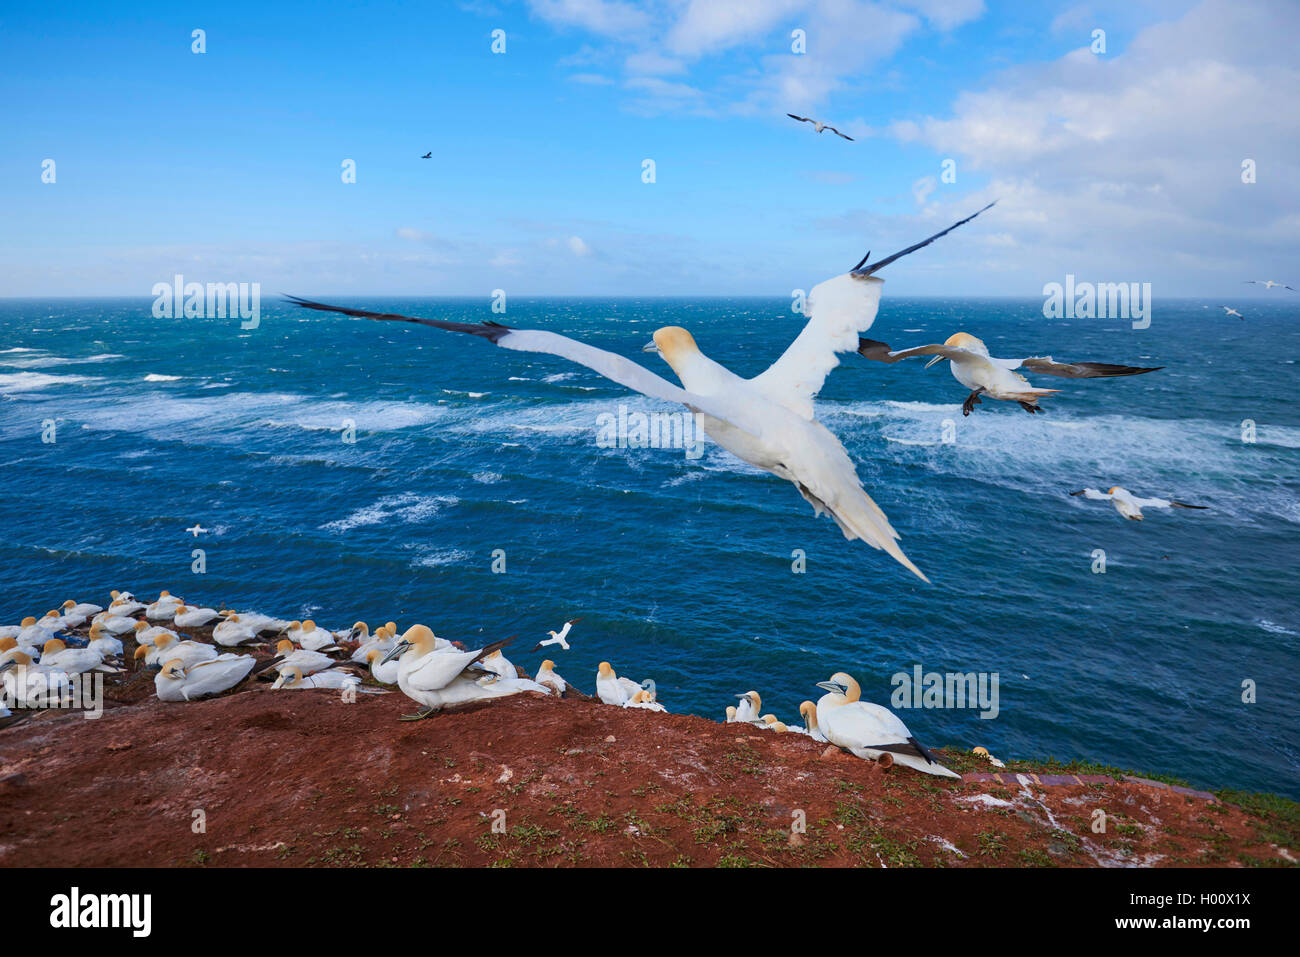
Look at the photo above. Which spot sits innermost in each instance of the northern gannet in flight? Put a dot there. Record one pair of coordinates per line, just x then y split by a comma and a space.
558, 637
1129, 505
768, 421
1232, 312
1267, 283
974, 368
868, 730
818, 125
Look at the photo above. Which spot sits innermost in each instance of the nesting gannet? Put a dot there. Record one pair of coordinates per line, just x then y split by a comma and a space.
819, 126
233, 631
1267, 283
435, 676
611, 689
731, 714
768, 421
147, 634
257, 622
308, 661
984, 753
643, 699
1232, 312
291, 677
382, 641
1129, 505
973, 367
747, 710
74, 615
125, 607
29, 684
558, 637
186, 617
106, 645
176, 682
311, 637
809, 712
382, 671
499, 665
114, 624
35, 632
164, 609
547, 678
73, 661
168, 646
772, 723
868, 730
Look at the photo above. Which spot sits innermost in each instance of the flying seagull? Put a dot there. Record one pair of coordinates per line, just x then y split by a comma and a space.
818, 125
1232, 312
1267, 283
428, 155
974, 368
1129, 505
768, 421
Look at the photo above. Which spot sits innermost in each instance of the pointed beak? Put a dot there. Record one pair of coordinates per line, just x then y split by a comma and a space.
934, 360
398, 648
652, 346
832, 687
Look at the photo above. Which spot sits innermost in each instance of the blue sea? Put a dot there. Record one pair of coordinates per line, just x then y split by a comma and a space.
681, 568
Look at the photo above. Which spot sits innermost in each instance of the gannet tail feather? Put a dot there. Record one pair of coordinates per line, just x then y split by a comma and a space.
865, 521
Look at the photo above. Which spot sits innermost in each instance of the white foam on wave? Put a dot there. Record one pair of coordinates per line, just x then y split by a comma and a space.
487, 478
1273, 627
437, 557
405, 508
34, 381
46, 361
158, 377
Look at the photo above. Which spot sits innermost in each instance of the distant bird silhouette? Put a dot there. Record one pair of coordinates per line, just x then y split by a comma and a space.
1232, 312
819, 125
427, 156
1268, 283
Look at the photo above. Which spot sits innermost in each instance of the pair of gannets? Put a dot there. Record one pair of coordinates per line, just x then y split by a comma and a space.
1129, 505
558, 637
168, 647
309, 636
436, 676
972, 366
233, 630
768, 421
180, 682
304, 659
868, 730
382, 640
611, 689
29, 684
645, 699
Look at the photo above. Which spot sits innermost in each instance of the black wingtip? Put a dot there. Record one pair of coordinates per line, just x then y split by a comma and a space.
863, 270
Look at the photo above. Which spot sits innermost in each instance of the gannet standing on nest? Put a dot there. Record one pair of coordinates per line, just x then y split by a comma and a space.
868, 730
1129, 505
768, 421
436, 676
974, 368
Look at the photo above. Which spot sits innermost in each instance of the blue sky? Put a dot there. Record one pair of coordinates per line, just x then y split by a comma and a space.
225, 166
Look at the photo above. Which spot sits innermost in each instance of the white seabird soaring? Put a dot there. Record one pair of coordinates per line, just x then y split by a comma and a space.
868, 730
1267, 283
818, 125
1129, 505
558, 637
768, 421
974, 368
1231, 312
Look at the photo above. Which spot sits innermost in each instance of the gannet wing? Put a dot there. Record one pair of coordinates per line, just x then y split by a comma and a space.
801, 119
612, 366
1165, 503
838, 133
1073, 370
879, 352
1092, 493
838, 311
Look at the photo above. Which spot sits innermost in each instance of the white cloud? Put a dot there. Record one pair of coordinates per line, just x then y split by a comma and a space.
578, 247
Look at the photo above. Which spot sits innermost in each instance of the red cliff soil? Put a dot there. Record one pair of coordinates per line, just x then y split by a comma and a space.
305, 778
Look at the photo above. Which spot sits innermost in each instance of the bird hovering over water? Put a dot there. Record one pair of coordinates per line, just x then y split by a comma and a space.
768, 421
1231, 312
1267, 283
1128, 504
818, 125
974, 368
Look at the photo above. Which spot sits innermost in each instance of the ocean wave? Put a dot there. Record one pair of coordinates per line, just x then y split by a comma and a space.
33, 381
158, 377
405, 508
437, 557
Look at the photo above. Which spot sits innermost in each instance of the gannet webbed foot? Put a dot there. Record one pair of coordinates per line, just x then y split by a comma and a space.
972, 400
419, 715
1030, 407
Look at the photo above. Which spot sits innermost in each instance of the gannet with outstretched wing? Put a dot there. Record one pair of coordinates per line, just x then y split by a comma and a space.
974, 368
768, 421
818, 125
1267, 283
1128, 504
